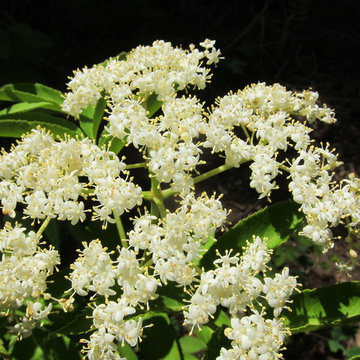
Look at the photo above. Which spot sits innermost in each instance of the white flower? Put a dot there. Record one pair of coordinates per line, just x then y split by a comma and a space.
277, 290
93, 271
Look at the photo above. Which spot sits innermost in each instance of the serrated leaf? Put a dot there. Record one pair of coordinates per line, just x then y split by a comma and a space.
30, 92
332, 305
276, 222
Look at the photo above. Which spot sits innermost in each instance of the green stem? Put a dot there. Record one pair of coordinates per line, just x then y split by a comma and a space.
135, 166
121, 230
211, 173
245, 131
158, 197
169, 192
147, 195
154, 210
43, 226
198, 269
147, 261
285, 168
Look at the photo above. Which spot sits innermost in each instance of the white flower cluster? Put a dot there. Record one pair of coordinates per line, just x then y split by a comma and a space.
171, 245
159, 69
24, 269
268, 114
176, 241
254, 337
254, 124
265, 113
34, 313
325, 202
24, 266
52, 178
235, 285
95, 271
47, 176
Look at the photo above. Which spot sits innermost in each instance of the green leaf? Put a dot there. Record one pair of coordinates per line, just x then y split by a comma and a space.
334, 346
220, 318
21, 123
58, 283
159, 341
333, 305
190, 357
41, 345
3, 352
30, 92
276, 222
71, 323
217, 341
86, 121
115, 144
53, 234
191, 344
205, 247
127, 352
174, 353
172, 297
28, 106
353, 353
98, 115
152, 104
204, 333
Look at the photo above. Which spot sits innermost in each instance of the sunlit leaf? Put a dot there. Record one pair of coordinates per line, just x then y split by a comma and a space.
322, 307
276, 222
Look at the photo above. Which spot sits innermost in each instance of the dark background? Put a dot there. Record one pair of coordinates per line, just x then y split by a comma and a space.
298, 43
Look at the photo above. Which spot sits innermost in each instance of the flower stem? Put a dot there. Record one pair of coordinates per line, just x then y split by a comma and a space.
135, 166
158, 198
211, 173
169, 192
121, 230
246, 132
154, 210
146, 261
43, 226
285, 168
147, 195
